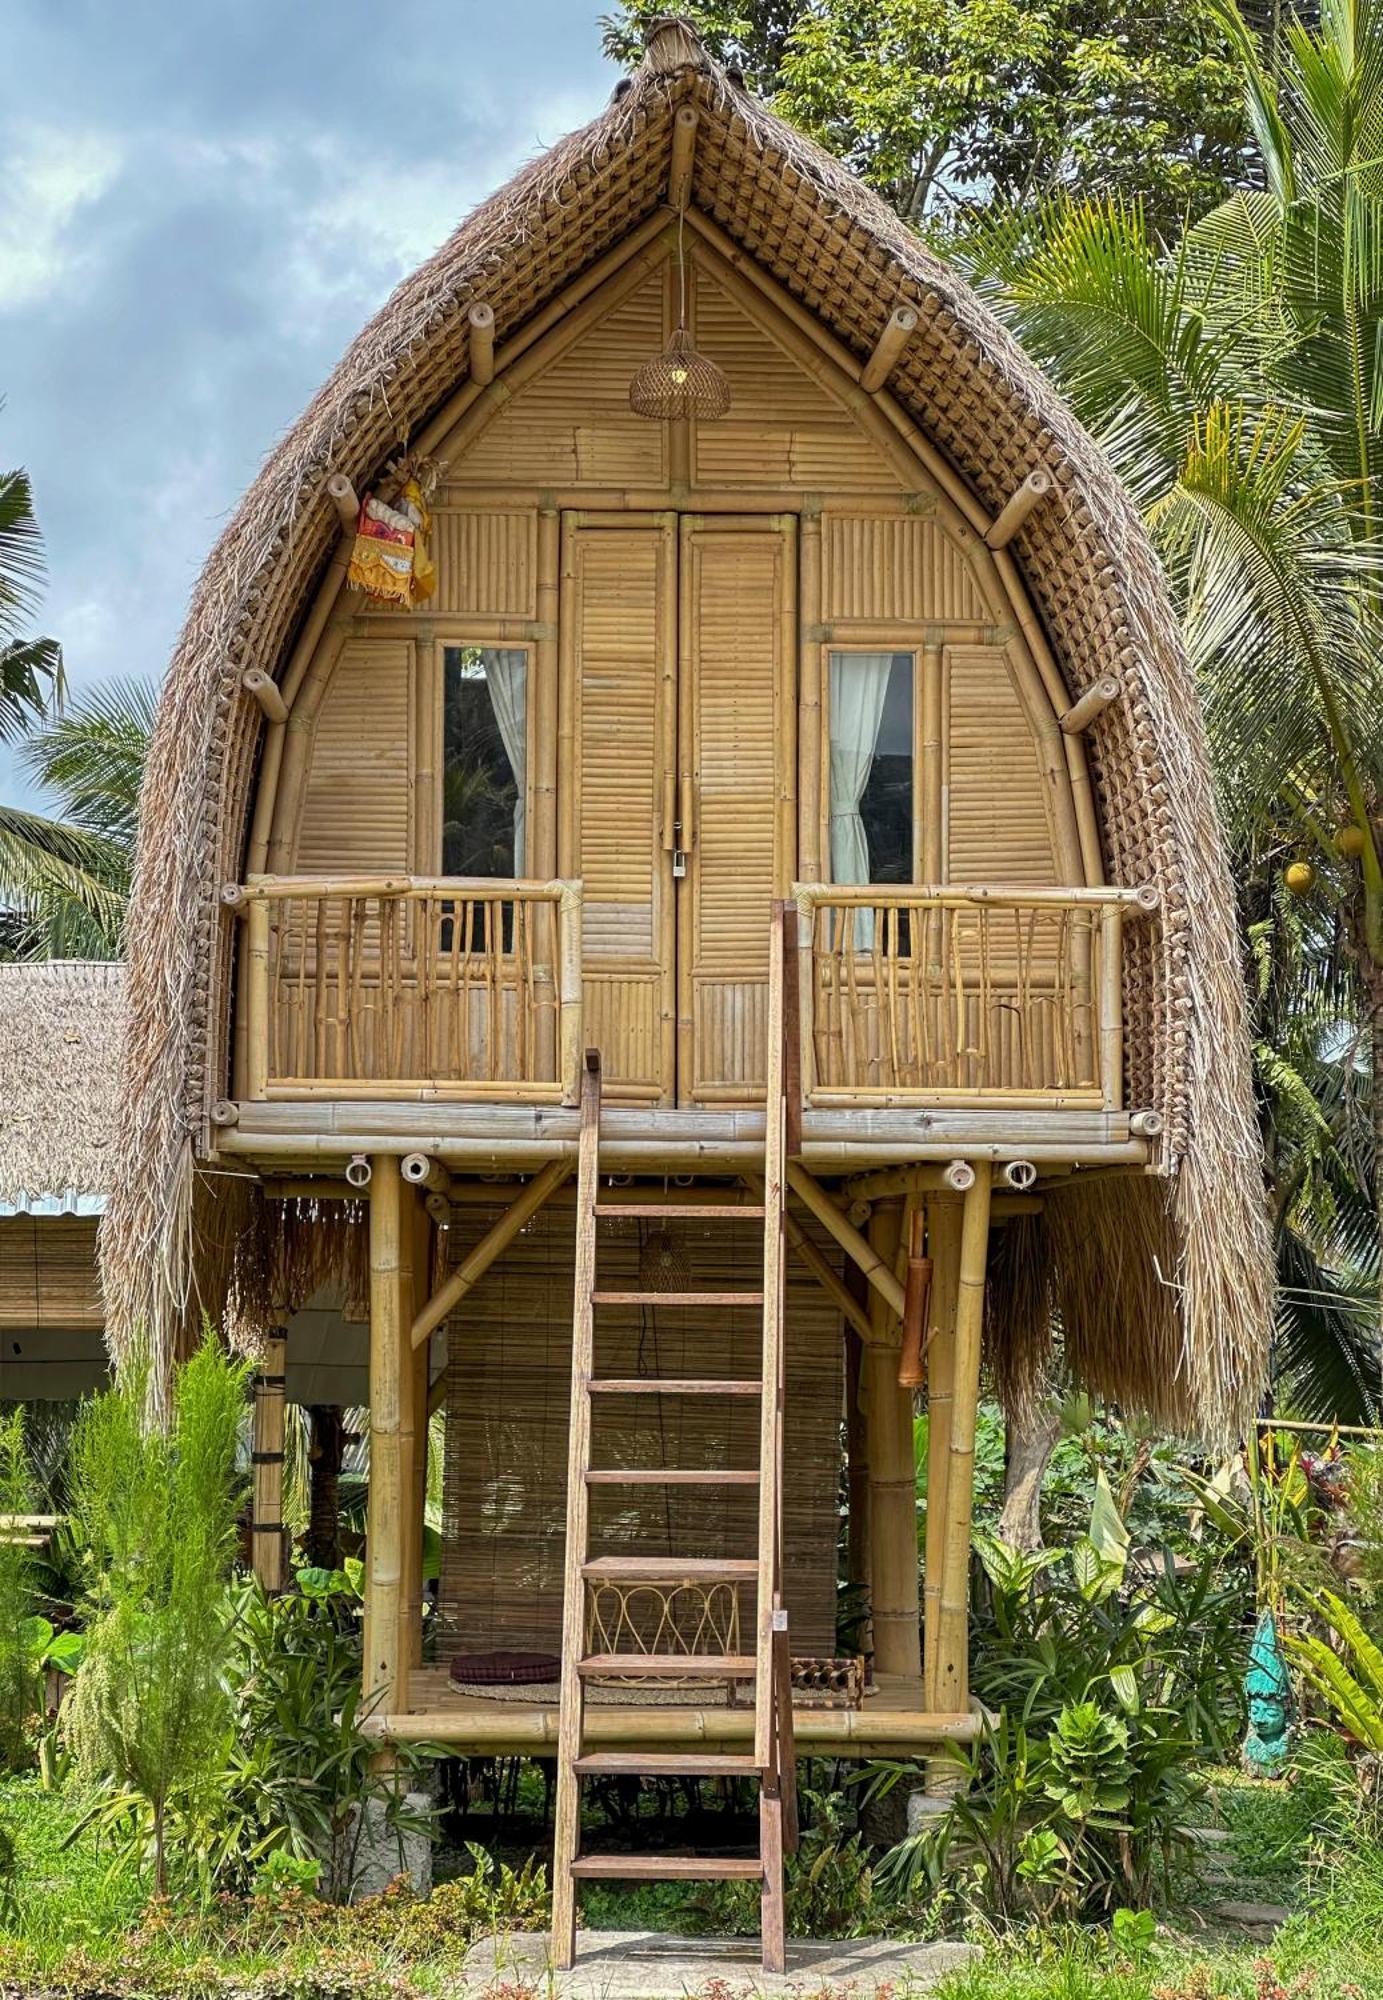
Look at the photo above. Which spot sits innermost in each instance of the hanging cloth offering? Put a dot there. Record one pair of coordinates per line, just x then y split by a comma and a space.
390, 560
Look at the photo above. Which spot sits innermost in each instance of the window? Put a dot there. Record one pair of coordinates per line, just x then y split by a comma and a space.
871, 769
484, 760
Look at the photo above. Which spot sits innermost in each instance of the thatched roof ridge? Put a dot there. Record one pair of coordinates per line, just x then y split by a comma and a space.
62, 1029
973, 393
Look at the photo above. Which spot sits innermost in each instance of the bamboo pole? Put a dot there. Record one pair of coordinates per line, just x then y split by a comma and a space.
495, 1240
897, 331
410, 1446
683, 161
481, 319
422, 1409
1111, 1007
1030, 494
257, 683
385, 1669
1097, 698
542, 856
952, 1655
892, 1475
813, 1196
256, 1083
810, 723
267, 1530
569, 991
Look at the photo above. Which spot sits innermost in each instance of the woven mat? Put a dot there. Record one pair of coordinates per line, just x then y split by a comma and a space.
545, 1694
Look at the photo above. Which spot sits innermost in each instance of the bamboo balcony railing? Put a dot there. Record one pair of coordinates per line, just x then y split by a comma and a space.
411, 987
1004, 995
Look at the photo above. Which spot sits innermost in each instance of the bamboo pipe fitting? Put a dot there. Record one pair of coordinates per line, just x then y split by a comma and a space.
345, 500
1020, 1175
898, 329
1099, 696
1016, 510
421, 1171
256, 682
959, 1176
481, 319
679, 178
358, 1170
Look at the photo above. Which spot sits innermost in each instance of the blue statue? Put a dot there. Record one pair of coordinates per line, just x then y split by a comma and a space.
1268, 1686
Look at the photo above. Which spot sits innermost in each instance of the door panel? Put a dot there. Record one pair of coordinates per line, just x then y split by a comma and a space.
737, 758
618, 714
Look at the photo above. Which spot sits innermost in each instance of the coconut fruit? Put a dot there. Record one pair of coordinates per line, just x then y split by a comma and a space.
1349, 841
1299, 877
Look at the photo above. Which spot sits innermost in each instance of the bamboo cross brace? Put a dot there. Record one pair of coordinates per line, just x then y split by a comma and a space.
812, 1195
495, 1240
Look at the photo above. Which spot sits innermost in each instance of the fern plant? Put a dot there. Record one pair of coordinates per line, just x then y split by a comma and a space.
156, 1511
1348, 1681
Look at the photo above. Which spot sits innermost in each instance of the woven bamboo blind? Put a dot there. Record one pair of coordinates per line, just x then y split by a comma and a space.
508, 1387
48, 1272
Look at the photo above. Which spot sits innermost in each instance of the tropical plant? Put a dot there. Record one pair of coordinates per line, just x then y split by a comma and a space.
67, 877
1345, 1671
21, 1678
156, 1516
946, 105
30, 669
1237, 383
1110, 1684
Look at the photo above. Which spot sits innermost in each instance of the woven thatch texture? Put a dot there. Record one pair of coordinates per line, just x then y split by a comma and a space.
508, 1395
62, 1024
966, 386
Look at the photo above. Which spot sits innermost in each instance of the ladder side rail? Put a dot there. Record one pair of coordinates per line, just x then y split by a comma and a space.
771, 1411
571, 1712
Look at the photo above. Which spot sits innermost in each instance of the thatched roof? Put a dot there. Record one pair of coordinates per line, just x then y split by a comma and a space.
62, 1027
1089, 570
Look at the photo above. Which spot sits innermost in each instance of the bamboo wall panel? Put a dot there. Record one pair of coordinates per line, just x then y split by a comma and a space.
507, 1400
487, 561
998, 828
904, 566
736, 585
356, 815
572, 424
48, 1274
617, 609
783, 428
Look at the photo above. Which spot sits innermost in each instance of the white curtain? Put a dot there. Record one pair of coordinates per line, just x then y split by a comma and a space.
859, 684
506, 677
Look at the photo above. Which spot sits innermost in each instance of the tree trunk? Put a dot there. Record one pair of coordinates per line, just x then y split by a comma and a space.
325, 1450
1020, 1523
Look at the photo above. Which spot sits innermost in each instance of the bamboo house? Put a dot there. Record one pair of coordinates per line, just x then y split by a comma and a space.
686, 629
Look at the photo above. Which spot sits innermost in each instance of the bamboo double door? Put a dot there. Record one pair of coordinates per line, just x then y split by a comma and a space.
676, 775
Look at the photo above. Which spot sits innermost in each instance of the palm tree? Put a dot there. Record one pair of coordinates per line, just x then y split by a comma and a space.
1236, 380
30, 669
65, 880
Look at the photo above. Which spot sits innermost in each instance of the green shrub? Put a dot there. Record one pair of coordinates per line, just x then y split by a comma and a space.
21, 1675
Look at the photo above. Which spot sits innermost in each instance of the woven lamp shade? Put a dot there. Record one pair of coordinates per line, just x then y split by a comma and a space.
679, 382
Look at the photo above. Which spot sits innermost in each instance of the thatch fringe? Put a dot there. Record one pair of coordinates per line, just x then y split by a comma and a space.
1085, 559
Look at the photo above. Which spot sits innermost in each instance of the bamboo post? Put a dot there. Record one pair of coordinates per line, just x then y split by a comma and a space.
257, 1000
952, 1655
569, 992
857, 1448
809, 718
892, 1476
385, 1667
943, 1214
916, 1293
266, 1458
1111, 1006
418, 1239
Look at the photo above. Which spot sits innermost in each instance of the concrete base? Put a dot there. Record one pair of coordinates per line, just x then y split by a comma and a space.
369, 1856
649, 1965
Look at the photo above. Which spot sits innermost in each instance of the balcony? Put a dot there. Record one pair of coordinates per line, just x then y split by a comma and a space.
405, 987
996, 996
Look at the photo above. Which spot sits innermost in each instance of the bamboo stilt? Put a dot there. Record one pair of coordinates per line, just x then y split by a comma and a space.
952, 1656
385, 1667
892, 1477
418, 1289
267, 1531
943, 1215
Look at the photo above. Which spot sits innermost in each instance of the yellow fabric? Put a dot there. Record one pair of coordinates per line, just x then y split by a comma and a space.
382, 569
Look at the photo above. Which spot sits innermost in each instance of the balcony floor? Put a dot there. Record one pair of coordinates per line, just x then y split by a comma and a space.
891, 1719
322, 1133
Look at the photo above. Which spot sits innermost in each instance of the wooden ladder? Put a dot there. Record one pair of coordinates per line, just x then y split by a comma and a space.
772, 1760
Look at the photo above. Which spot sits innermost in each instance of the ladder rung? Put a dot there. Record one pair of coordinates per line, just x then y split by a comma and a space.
670, 1569
677, 1298
666, 1868
647, 1385
643, 1475
667, 1666
647, 1764
691, 1211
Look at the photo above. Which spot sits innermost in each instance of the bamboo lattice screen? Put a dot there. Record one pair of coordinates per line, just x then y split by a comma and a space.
508, 1387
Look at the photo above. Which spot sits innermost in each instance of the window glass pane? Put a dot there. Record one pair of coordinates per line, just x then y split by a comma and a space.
484, 760
871, 778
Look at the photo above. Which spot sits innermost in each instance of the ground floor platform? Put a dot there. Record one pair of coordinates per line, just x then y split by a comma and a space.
892, 1719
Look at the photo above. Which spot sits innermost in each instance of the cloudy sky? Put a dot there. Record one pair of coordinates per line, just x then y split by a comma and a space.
204, 201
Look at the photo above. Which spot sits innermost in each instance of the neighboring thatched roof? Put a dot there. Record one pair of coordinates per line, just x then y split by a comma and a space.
62, 1026
1088, 567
